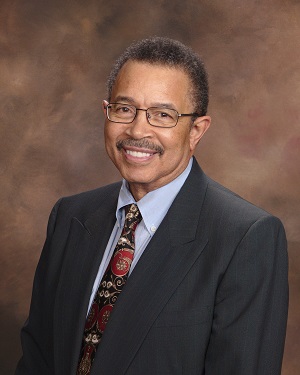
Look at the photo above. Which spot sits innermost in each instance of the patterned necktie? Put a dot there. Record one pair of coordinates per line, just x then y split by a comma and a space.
109, 289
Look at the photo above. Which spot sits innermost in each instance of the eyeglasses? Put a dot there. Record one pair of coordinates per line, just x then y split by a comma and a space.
156, 116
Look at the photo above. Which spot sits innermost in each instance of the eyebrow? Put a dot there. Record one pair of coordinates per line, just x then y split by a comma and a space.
130, 100
120, 99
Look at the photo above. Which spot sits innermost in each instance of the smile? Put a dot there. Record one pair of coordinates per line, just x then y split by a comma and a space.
138, 154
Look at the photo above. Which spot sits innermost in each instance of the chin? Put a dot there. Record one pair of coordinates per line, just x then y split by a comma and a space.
137, 180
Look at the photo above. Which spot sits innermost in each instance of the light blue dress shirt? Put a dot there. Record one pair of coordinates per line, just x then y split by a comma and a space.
153, 207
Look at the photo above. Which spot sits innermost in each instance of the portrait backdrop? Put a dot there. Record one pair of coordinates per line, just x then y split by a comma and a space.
54, 60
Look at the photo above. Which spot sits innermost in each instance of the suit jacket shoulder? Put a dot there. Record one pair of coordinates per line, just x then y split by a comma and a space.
85, 203
215, 203
221, 198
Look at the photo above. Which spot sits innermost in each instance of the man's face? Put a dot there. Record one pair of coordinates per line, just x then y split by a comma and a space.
146, 156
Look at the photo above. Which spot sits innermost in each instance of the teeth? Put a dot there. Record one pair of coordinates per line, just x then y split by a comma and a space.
138, 154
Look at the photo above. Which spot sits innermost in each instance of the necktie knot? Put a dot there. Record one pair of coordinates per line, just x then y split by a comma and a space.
132, 216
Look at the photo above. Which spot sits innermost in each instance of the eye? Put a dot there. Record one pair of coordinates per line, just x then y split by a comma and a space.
159, 113
122, 111
164, 114
123, 108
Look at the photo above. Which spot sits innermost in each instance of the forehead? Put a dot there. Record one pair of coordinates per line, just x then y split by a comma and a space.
150, 83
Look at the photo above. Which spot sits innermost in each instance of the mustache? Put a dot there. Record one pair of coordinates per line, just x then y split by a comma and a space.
140, 143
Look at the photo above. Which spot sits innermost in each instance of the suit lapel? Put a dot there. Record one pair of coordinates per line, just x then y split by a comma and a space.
84, 250
166, 261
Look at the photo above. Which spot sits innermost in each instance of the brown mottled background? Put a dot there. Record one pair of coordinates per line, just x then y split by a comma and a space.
54, 58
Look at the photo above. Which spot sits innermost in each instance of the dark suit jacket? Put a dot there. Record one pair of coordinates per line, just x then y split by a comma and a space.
208, 296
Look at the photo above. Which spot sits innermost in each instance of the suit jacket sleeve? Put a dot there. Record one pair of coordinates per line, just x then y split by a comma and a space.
248, 330
37, 344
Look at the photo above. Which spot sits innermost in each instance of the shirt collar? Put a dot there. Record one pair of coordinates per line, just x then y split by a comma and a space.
154, 205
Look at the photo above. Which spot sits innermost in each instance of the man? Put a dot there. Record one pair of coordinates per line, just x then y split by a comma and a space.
197, 282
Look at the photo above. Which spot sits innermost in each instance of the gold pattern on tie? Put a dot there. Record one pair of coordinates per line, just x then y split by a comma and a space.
109, 289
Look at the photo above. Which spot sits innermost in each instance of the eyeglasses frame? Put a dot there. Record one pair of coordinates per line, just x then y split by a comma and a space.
195, 114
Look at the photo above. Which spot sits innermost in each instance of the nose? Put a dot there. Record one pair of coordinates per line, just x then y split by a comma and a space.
140, 127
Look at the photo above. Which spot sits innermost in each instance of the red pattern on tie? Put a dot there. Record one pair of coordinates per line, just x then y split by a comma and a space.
109, 289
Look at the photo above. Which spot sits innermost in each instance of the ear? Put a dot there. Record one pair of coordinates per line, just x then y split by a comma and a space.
198, 129
104, 104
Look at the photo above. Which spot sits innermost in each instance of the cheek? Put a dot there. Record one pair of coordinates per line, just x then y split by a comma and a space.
114, 132
109, 142
110, 134
181, 142
173, 140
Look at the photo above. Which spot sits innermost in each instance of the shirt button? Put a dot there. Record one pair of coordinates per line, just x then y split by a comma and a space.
153, 228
